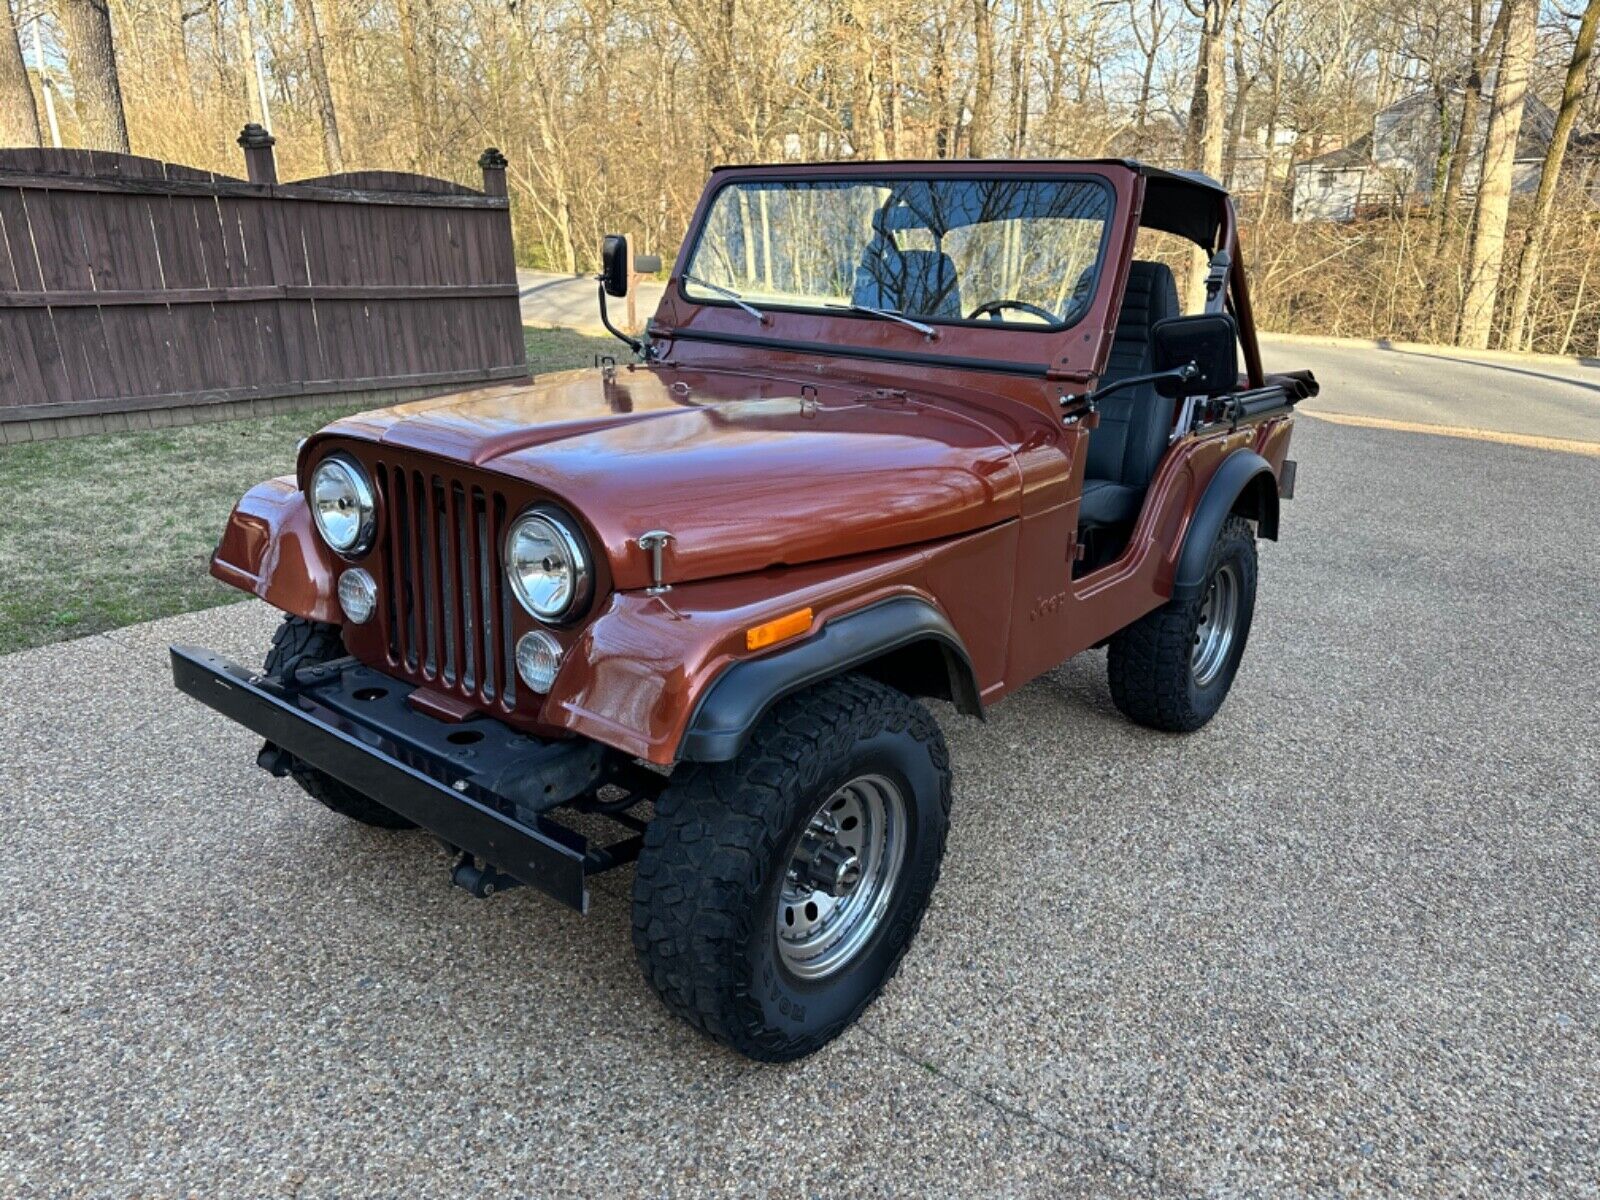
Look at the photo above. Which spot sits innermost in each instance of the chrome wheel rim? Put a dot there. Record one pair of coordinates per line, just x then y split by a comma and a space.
1213, 635
841, 878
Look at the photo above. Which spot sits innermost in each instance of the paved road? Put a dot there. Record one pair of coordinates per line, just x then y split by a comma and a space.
1344, 941
1542, 397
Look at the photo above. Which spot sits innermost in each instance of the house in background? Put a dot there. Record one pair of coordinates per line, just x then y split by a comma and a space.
1395, 164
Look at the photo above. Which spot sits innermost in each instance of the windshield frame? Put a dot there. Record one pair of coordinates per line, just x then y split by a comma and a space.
895, 173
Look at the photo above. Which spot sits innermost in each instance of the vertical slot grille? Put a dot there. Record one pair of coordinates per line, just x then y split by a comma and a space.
449, 623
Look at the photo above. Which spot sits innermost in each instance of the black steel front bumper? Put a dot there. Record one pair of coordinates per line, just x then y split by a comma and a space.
481, 786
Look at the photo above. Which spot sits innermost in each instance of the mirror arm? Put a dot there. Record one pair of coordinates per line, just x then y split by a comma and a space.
1183, 374
634, 344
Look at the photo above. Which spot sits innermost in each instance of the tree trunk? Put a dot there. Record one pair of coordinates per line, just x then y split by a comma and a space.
1021, 44
983, 77
1519, 332
19, 119
867, 104
247, 65
92, 60
1471, 104
1242, 84
311, 44
406, 13
1494, 186
896, 119
1141, 112
944, 136
178, 52
1207, 124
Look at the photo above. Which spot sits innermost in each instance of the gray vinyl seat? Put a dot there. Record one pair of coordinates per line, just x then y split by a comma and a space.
1126, 448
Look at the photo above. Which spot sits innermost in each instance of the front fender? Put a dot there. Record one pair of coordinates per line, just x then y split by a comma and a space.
270, 549
741, 695
669, 677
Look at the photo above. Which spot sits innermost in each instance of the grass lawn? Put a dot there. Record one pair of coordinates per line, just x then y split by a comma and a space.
103, 531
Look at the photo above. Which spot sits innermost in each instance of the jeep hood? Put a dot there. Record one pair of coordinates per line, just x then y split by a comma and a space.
746, 473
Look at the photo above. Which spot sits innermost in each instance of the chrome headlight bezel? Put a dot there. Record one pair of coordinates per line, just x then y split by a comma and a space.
563, 534
352, 474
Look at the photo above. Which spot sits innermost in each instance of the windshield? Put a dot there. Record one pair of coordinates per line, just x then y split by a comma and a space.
1016, 252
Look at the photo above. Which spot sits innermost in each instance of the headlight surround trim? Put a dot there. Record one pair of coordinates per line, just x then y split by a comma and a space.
366, 504
564, 534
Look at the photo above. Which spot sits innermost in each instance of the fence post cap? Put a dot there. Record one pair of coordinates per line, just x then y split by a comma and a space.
255, 137
492, 160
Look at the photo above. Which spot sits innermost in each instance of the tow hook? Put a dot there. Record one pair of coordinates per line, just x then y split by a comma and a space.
481, 882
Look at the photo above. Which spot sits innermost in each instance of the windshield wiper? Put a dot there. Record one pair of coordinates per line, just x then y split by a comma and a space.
729, 293
889, 314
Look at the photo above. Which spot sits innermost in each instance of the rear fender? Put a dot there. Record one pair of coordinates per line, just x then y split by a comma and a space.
270, 549
1243, 484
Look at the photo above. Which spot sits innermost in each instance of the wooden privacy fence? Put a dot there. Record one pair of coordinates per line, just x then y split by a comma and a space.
130, 284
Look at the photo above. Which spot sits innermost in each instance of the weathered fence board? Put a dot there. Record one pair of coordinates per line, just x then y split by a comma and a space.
129, 284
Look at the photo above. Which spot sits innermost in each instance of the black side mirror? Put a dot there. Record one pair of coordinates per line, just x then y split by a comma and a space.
614, 264
1208, 340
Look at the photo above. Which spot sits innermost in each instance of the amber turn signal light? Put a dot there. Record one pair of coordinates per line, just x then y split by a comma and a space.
759, 637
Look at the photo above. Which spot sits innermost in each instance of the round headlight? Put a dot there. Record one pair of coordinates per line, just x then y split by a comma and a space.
342, 506
547, 565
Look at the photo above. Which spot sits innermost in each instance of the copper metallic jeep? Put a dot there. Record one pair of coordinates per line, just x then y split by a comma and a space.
896, 431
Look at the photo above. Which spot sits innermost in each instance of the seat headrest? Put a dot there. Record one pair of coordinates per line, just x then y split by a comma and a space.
1152, 296
916, 282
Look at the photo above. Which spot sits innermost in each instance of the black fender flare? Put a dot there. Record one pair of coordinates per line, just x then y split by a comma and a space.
731, 707
1240, 477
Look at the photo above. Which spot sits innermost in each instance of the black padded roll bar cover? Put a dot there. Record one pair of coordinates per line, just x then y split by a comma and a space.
1301, 385
1237, 472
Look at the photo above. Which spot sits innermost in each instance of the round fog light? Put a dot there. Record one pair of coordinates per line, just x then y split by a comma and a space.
358, 595
538, 660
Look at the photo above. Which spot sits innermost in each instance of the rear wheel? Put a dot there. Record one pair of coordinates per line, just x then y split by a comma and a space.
300, 643
1172, 669
776, 894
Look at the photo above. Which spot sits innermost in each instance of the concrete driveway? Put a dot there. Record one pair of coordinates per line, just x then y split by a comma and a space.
1346, 940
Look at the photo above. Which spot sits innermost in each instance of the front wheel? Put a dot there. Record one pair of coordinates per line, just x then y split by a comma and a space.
301, 643
1172, 669
776, 894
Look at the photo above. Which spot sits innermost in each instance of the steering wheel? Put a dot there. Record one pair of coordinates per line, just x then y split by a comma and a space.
993, 307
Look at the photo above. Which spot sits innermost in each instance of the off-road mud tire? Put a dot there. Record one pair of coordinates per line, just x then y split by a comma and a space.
300, 643
1149, 663
715, 854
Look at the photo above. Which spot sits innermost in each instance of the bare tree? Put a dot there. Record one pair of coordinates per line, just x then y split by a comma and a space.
1148, 36
1494, 187
1518, 332
19, 119
1209, 99
92, 60
317, 64
983, 77
1444, 211
253, 100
